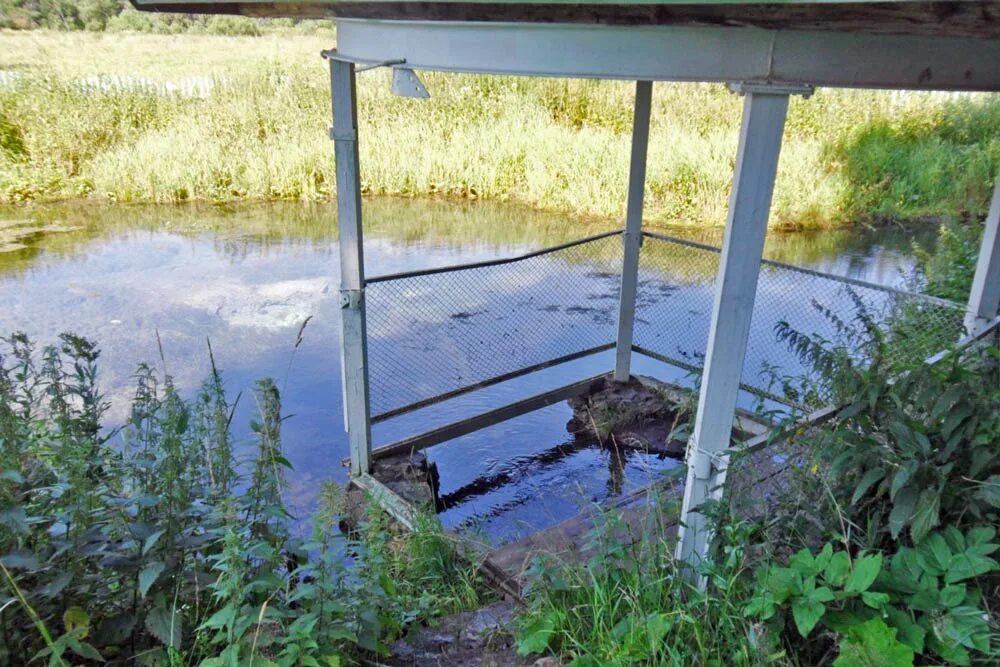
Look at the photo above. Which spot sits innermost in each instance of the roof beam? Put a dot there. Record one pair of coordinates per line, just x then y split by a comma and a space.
676, 53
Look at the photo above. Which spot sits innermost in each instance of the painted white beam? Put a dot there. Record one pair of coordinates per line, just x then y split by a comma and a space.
984, 298
632, 239
677, 53
354, 334
764, 112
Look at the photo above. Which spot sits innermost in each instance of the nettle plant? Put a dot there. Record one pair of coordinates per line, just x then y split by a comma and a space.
909, 469
153, 545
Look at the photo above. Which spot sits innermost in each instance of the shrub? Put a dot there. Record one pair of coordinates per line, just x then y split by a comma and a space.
909, 469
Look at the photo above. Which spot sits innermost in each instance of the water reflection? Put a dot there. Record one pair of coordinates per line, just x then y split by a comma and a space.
247, 278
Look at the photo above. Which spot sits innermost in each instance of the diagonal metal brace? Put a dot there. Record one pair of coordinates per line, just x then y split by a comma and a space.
332, 54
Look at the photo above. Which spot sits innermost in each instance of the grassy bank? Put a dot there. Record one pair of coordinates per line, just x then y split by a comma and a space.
553, 144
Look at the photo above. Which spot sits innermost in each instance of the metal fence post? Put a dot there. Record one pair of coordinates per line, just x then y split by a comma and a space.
354, 334
764, 112
984, 298
632, 239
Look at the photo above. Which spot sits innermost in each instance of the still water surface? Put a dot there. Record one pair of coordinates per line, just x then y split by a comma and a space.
247, 278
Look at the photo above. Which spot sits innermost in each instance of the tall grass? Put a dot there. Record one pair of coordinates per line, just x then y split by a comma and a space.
552, 144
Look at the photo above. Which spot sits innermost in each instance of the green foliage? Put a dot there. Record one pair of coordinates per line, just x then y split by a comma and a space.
950, 267
873, 644
909, 468
630, 603
558, 145
151, 545
909, 166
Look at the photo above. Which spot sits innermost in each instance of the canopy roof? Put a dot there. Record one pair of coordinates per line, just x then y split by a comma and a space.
958, 18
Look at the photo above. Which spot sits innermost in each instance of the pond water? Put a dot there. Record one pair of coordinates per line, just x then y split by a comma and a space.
138, 279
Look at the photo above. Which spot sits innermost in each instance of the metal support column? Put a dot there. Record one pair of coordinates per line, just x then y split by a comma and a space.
633, 228
764, 111
354, 334
984, 298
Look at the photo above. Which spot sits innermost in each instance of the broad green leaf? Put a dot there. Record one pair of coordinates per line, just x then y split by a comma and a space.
151, 541
965, 626
871, 477
83, 649
981, 535
149, 575
76, 621
925, 517
821, 594
20, 560
875, 600
955, 418
166, 625
935, 554
657, 627
806, 613
837, 569
12, 476
536, 636
14, 519
966, 566
873, 644
803, 562
823, 558
902, 510
783, 583
56, 586
953, 654
761, 606
901, 477
953, 595
990, 491
910, 633
866, 570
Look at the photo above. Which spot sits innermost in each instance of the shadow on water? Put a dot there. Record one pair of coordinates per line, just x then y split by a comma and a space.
248, 277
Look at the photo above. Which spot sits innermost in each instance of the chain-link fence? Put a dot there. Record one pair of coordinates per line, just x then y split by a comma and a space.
432, 334
674, 309
442, 332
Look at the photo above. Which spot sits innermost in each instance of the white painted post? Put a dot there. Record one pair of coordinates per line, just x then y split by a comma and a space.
354, 334
984, 298
764, 111
632, 239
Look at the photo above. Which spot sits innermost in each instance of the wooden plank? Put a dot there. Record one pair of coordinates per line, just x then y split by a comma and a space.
975, 19
481, 421
394, 504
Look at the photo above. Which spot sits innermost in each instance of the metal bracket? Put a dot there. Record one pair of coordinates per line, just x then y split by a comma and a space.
768, 88
627, 236
351, 298
706, 464
350, 135
405, 83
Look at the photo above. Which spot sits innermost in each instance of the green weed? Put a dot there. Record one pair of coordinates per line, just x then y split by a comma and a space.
152, 545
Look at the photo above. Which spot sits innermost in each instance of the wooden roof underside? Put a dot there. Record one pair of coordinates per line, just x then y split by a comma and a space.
979, 19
